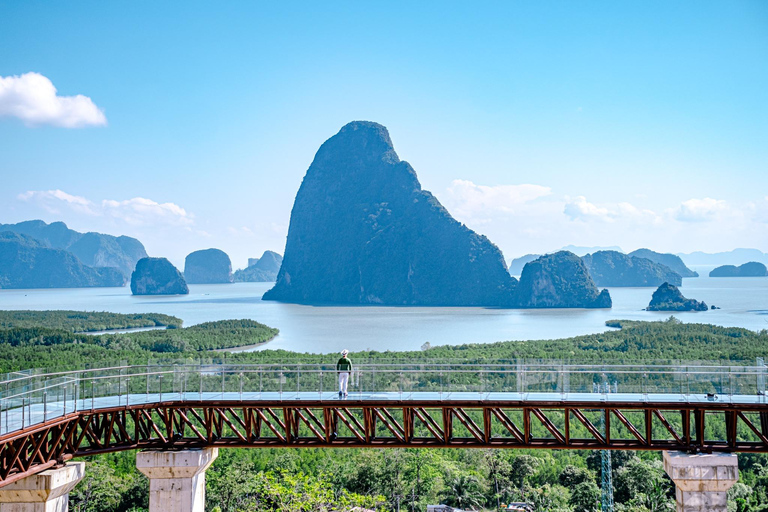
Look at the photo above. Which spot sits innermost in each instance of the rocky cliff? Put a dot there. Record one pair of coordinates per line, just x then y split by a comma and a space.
751, 269
668, 298
208, 266
363, 231
93, 249
559, 280
29, 263
670, 260
615, 269
157, 276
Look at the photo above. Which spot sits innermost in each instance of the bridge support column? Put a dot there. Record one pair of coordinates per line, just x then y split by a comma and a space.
44, 492
702, 480
176, 479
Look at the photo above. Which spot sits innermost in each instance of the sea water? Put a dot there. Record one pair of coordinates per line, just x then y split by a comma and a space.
743, 303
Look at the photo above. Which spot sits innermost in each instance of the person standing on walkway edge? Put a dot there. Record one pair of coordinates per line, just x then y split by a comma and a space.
344, 367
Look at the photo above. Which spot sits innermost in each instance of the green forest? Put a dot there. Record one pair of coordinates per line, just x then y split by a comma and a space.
406, 479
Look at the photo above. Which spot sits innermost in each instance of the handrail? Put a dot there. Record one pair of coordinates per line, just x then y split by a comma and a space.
542, 364
549, 366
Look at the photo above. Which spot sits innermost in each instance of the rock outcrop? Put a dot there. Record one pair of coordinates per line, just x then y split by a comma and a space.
751, 269
670, 260
559, 280
363, 231
208, 266
616, 269
92, 249
667, 297
264, 269
29, 263
157, 276
517, 264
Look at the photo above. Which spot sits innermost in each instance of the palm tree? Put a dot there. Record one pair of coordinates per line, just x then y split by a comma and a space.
464, 491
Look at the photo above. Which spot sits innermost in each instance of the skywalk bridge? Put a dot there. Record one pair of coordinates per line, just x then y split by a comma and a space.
47, 419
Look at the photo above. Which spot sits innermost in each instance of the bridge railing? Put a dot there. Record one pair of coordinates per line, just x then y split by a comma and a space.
32, 398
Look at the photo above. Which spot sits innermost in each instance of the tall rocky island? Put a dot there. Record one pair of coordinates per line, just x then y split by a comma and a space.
559, 280
157, 276
208, 266
363, 231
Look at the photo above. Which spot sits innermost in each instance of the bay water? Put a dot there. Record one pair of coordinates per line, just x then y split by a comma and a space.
743, 303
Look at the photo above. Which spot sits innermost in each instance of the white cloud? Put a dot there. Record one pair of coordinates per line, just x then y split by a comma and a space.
32, 98
138, 211
579, 208
52, 199
469, 199
700, 210
143, 211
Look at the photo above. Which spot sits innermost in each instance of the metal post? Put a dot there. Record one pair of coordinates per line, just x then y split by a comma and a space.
321, 384
45, 406
93, 393
241, 386
730, 382
77, 388
161, 386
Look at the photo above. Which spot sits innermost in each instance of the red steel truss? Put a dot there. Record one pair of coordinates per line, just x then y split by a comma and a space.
693, 427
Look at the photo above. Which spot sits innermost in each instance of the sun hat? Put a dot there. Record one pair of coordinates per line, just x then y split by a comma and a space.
344, 352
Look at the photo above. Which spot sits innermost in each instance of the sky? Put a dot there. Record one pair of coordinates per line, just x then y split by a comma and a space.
190, 124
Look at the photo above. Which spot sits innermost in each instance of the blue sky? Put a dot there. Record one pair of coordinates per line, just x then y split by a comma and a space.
539, 124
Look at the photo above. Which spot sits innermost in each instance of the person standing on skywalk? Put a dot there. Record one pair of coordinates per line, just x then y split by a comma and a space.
344, 368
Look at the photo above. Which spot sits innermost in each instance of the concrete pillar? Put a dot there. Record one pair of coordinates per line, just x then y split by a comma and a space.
702, 480
176, 479
44, 492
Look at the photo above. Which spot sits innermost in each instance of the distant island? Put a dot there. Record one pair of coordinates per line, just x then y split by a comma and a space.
208, 266
615, 269
363, 231
157, 276
262, 269
734, 257
580, 250
751, 269
29, 263
517, 264
669, 260
92, 249
667, 297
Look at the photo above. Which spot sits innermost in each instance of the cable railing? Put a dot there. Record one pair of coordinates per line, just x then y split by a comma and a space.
29, 398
